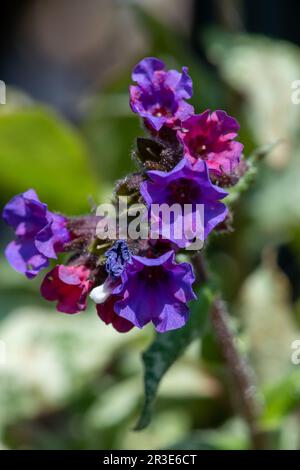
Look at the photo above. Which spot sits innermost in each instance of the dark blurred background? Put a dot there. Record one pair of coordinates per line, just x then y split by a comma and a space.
67, 131
59, 50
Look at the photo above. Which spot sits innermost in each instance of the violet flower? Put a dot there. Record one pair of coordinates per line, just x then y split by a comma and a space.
69, 286
189, 187
155, 290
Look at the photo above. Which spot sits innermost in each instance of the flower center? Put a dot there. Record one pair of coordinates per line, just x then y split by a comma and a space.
202, 149
199, 146
153, 274
182, 191
162, 111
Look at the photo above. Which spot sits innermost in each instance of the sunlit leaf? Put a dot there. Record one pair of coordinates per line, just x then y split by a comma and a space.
273, 207
111, 136
39, 150
51, 357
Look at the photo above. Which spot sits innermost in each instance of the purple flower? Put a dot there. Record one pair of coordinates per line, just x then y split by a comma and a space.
159, 96
155, 290
210, 137
41, 234
117, 257
196, 198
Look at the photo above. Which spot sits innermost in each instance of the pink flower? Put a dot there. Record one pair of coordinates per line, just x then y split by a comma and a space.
69, 285
210, 136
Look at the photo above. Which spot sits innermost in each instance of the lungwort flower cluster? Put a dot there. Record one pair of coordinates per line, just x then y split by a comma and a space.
185, 159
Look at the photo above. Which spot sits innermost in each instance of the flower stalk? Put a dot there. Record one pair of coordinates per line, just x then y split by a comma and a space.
242, 376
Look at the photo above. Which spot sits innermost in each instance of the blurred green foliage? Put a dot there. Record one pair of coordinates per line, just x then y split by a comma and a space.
39, 150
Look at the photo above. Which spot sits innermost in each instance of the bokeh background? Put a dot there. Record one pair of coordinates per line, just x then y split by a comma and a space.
70, 382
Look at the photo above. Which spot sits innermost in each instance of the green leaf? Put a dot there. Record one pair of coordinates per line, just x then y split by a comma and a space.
39, 150
167, 348
174, 48
71, 350
273, 206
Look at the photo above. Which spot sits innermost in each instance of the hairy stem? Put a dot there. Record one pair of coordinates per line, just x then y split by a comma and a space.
242, 375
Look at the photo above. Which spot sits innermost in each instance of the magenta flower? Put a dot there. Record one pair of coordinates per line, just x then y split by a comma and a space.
210, 137
69, 285
159, 96
191, 189
41, 234
155, 290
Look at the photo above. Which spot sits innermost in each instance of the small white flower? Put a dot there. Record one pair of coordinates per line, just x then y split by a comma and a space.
101, 293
